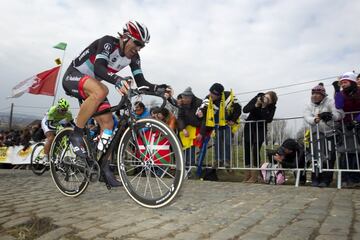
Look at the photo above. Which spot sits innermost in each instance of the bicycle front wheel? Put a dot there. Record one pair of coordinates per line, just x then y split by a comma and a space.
150, 163
67, 170
37, 164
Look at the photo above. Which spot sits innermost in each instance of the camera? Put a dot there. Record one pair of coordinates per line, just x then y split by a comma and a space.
262, 98
281, 151
326, 116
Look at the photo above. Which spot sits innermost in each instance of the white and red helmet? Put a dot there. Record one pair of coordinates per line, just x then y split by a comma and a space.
137, 31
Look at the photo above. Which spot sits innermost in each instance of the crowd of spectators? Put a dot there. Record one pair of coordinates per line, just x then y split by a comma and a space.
23, 137
218, 114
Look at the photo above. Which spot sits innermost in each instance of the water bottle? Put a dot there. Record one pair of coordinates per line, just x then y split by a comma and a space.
104, 139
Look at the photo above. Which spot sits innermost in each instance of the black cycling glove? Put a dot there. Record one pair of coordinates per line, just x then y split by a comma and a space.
336, 86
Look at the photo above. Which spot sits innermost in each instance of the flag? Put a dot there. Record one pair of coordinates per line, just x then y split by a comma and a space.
210, 121
42, 83
61, 46
230, 109
188, 141
157, 149
236, 126
222, 121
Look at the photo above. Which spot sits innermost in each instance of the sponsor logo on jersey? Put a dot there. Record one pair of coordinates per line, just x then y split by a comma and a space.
107, 47
87, 51
117, 62
72, 78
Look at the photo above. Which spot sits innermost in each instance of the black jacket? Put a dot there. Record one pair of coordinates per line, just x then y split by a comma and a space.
298, 154
186, 115
258, 113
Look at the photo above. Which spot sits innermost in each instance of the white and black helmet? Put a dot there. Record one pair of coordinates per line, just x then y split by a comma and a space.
137, 31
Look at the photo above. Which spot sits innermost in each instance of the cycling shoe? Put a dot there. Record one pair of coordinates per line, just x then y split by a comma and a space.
78, 145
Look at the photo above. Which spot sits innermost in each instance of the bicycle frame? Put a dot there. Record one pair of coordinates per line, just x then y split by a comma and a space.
128, 121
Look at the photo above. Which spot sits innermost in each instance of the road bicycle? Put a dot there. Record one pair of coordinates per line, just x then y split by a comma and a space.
37, 163
148, 155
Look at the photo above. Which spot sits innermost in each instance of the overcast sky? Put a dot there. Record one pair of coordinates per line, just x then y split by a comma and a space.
245, 45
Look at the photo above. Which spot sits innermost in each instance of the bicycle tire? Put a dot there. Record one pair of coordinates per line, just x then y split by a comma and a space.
171, 166
36, 167
60, 150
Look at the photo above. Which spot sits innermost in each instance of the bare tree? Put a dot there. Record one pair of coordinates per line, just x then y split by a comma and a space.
277, 132
300, 134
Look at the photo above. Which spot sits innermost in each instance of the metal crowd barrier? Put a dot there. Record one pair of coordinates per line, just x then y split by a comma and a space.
334, 148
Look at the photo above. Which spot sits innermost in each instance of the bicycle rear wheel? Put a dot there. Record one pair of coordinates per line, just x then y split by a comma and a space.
67, 170
150, 163
37, 164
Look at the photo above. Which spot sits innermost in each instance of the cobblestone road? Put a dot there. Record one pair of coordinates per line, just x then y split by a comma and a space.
205, 210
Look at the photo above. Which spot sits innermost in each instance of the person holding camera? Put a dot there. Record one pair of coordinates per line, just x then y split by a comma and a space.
261, 111
289, 155
320, 114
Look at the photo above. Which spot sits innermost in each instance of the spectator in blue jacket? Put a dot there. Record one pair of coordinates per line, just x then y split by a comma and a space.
140, 111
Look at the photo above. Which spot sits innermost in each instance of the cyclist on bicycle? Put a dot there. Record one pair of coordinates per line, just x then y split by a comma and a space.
57, 114
100, 61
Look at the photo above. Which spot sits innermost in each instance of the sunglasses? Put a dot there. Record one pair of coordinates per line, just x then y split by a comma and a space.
137, 42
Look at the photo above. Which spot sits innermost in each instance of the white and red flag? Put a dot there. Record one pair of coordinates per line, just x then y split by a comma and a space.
42, 83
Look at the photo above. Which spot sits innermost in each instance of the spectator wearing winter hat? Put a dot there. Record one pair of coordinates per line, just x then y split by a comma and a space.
187, 111
349, 101
187, 119
179, 100
320, 114
261, 111
348, 98
232, 112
